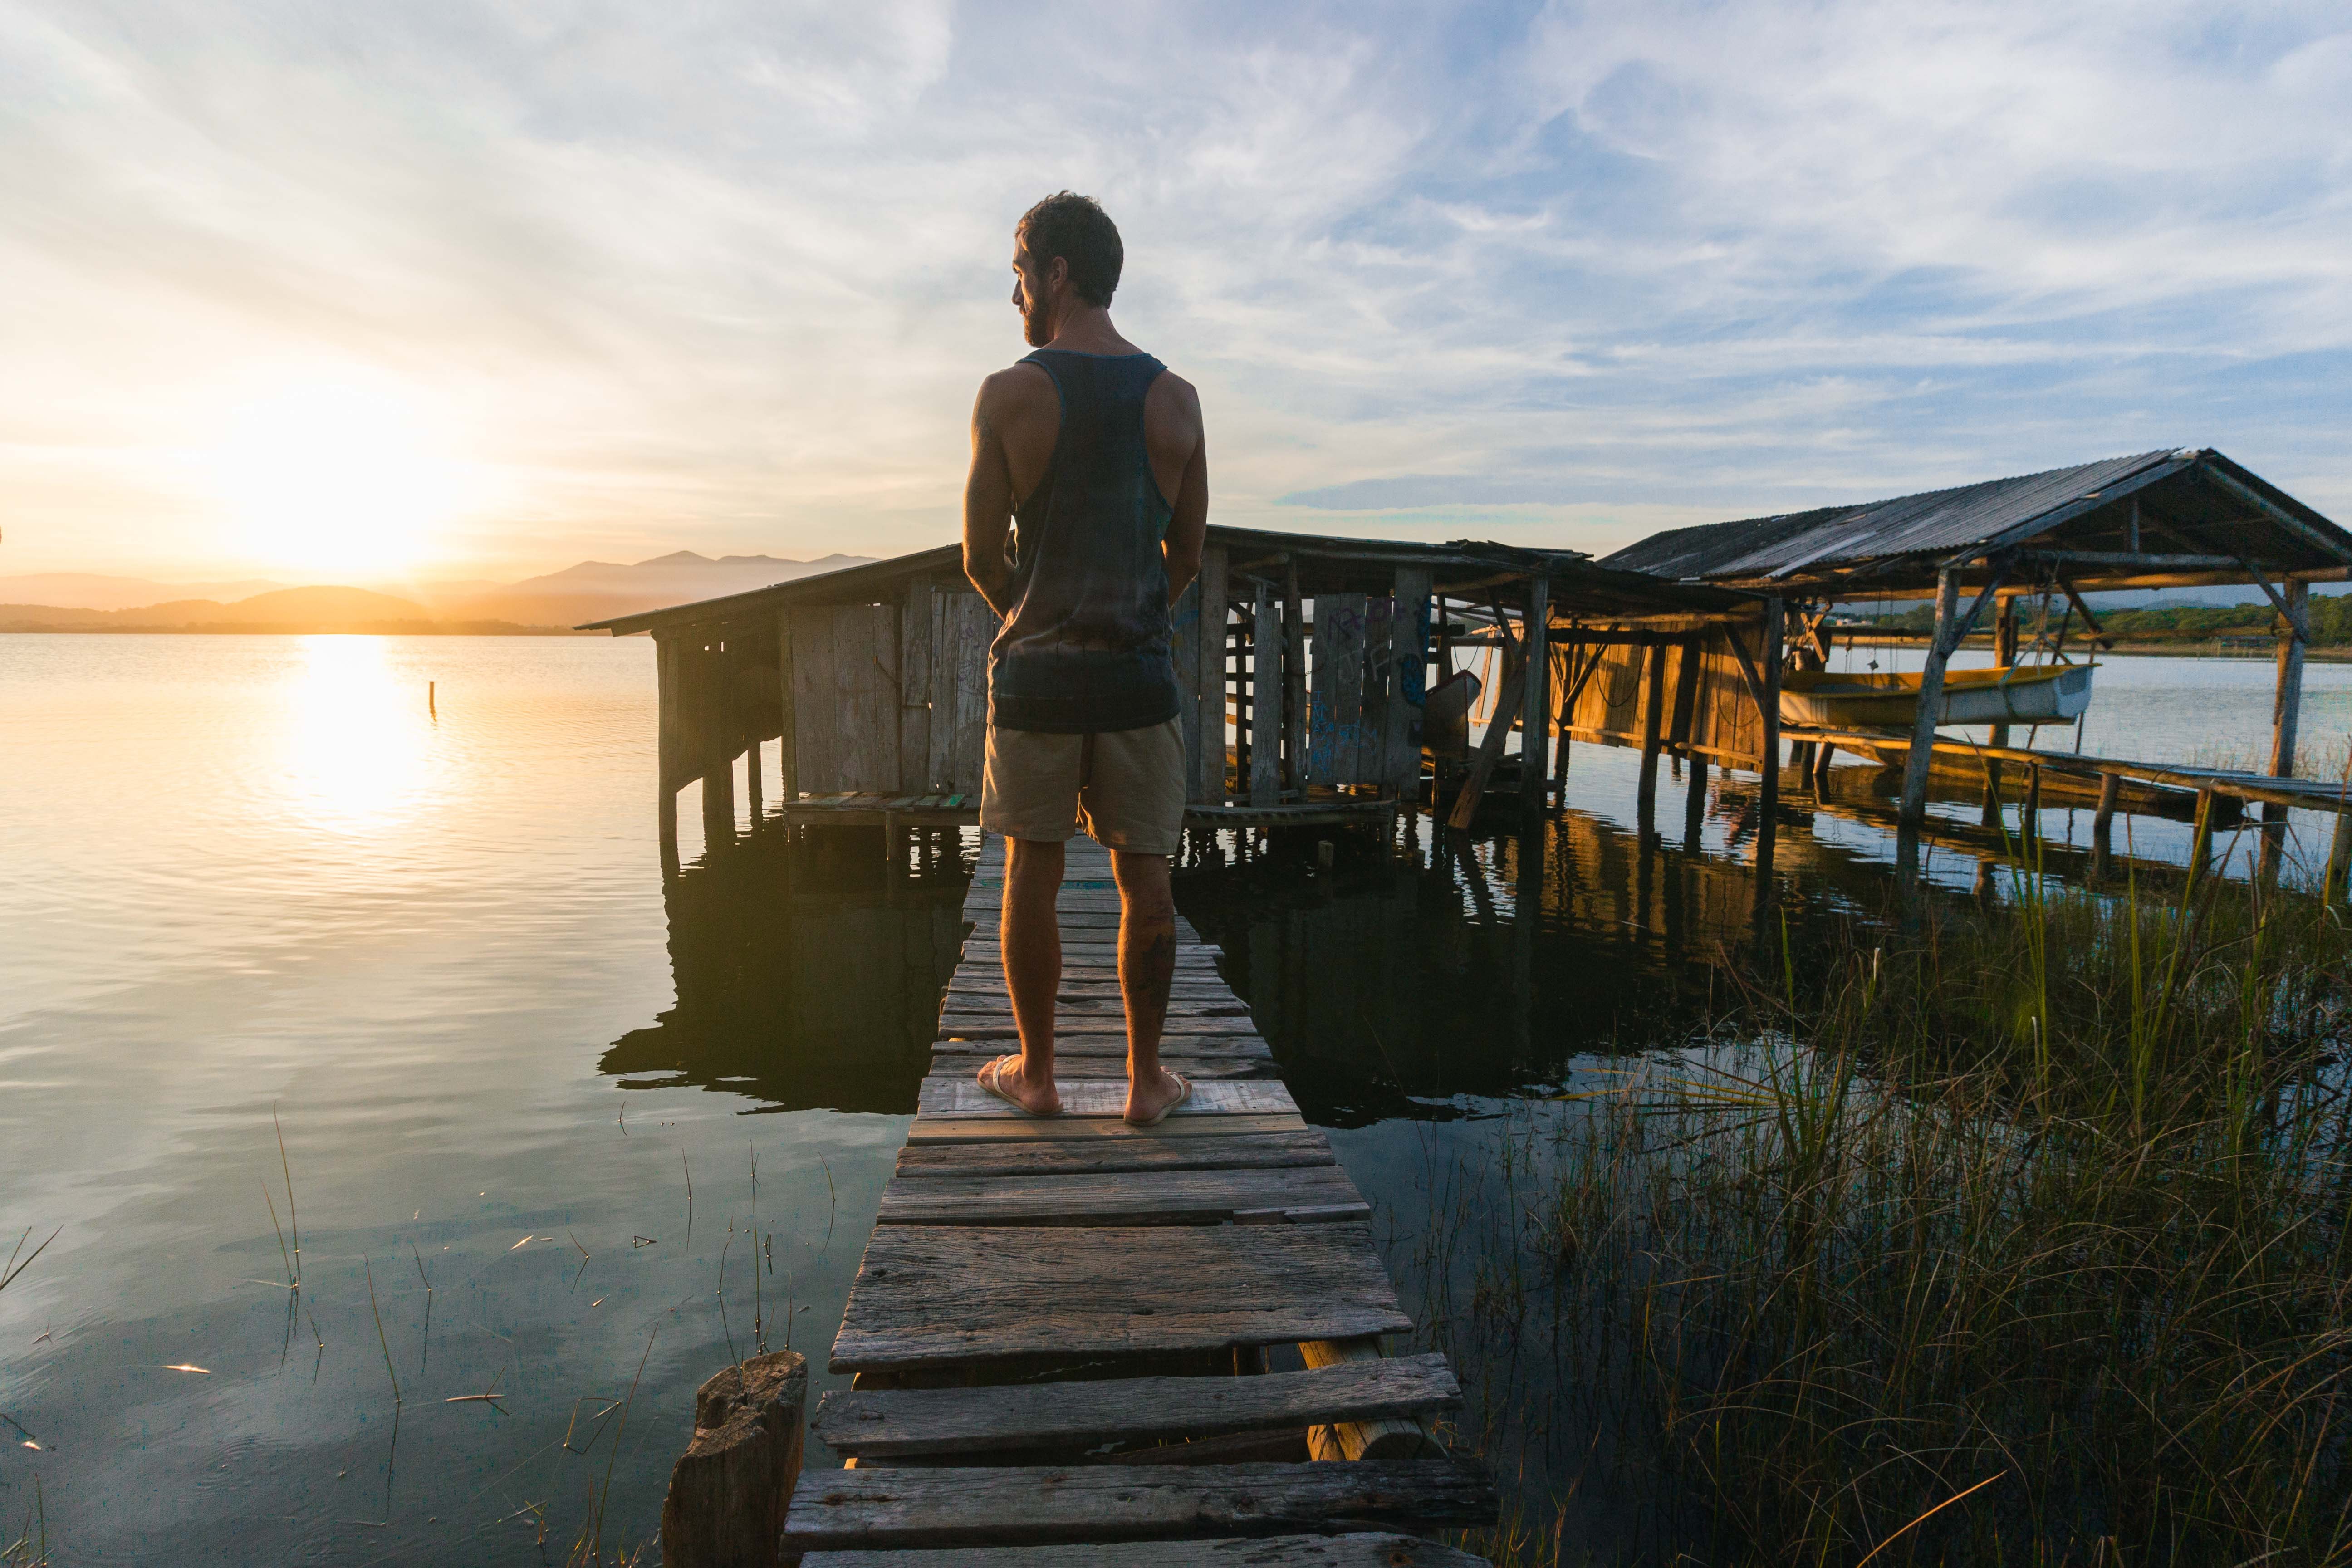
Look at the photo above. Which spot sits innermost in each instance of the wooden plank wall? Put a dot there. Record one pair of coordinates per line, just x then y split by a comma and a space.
846, 697
1725, 723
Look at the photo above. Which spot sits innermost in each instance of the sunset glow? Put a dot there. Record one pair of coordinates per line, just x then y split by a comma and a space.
335, 479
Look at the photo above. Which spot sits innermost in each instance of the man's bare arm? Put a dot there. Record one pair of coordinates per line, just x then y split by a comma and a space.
988, 509
1188, 521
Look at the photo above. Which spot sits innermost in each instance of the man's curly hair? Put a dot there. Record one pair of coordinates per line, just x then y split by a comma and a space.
1076, 229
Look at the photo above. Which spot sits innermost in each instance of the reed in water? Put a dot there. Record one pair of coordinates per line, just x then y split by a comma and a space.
2022, 1240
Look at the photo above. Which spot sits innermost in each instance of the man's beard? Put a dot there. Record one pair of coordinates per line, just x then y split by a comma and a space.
1036, 331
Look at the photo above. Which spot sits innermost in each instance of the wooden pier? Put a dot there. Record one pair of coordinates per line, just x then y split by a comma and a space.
1060, 1327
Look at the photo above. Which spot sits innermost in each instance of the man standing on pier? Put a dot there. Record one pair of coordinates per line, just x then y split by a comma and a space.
1082, 519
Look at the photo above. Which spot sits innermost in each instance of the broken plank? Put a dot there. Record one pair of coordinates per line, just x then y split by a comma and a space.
1260, 1151
1315, 1195
944, 1096
1366, 1551
1038, 1505
976, 1420
926, 1295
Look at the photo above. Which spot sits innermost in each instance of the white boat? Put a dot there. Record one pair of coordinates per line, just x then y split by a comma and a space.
2017, 694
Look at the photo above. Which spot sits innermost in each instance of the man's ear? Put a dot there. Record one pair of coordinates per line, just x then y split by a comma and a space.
1057, 273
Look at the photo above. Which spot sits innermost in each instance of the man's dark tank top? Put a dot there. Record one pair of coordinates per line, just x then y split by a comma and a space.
1084, 648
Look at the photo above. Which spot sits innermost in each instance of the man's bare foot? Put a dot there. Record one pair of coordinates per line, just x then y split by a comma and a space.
1005, 1079
1149, 1102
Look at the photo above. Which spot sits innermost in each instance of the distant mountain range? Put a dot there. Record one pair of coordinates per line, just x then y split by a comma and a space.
594, 590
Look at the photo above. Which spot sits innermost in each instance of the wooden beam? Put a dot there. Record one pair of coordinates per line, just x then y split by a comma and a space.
1208, 787
1293, 681
1490, 744
2278, 514
2136, 561
2286, 713
1408, 672
1535, 722
1654, 708
2103, 823
1267, 679
1376, 1550
1767, 794
1921, 758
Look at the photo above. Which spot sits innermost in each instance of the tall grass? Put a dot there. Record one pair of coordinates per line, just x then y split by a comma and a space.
2023, 1240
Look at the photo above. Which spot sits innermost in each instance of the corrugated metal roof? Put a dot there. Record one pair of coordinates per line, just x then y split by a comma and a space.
1935, 522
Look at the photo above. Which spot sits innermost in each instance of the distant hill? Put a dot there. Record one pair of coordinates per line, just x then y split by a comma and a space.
597, 590
95, 591
591, 591
280, 610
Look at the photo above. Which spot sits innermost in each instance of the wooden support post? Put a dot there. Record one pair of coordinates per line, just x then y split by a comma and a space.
1208, 785
751, 779
1408, 681
1768, 797
1490, 744
728, 1493
1685, 710
1694, 805
1564, 706
2200, 837
1951, 625
2286, 713
2004, 654
715, 693
1267, 682
2029, 822
1387, 1438
1294, 683
2339, 859
1653, 712
1244, 632
1822, 759
2103, 823
1535, 708
668, 744
788, 766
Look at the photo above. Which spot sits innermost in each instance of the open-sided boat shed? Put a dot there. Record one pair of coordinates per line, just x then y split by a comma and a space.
2181, 517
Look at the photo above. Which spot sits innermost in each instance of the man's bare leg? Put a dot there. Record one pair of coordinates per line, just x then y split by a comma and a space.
1147, 967
1031, 935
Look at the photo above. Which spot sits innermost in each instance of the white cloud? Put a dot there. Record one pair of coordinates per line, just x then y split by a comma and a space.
724, 276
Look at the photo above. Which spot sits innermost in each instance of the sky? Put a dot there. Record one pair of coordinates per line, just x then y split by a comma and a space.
482, 290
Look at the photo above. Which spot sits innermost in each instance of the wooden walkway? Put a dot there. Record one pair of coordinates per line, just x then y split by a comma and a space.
890, 811
1059, 1328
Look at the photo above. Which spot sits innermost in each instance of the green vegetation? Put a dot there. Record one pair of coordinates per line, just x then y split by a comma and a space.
2020, 1241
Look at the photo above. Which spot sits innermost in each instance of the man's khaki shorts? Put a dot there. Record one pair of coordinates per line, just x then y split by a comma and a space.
1124, 786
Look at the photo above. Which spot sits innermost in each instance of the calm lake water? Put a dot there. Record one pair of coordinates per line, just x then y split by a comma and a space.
256, 876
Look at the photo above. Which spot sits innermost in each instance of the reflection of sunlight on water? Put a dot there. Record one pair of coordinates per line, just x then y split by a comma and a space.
355, 751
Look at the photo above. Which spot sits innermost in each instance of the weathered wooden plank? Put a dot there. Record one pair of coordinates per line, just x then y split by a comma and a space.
926, 1294
1128, 1198
978, 1420
1023, 1129
914, 690
998, 1026
864, 697
945, 1096
1366, 1551
1069, 1068
1261, 1150
1408, 679
1088, 987
1114, 1046
1100, 1004
815, 740
1022, 1505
